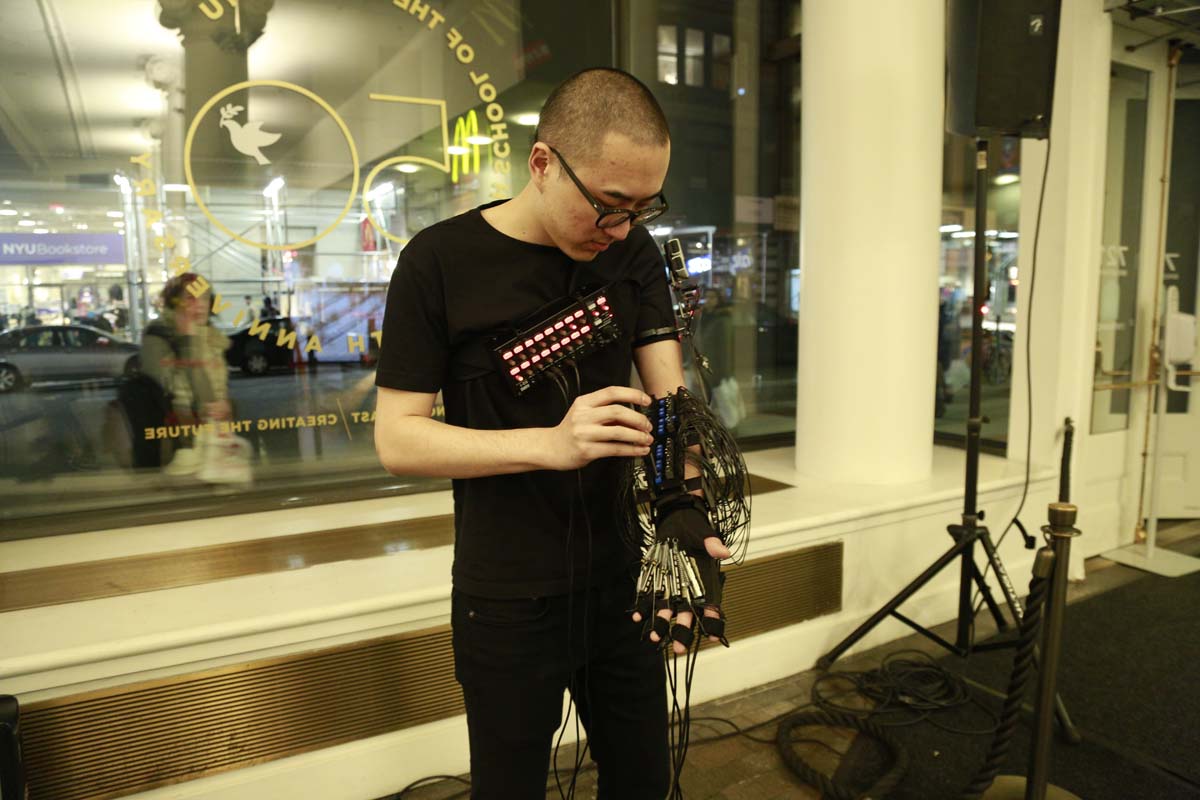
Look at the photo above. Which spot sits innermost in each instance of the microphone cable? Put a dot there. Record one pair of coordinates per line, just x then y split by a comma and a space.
581, 752
977, 603
564, 388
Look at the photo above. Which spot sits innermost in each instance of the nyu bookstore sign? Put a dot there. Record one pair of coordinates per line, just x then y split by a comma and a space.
62, 248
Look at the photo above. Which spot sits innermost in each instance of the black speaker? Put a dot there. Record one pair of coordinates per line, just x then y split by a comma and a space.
1000, 66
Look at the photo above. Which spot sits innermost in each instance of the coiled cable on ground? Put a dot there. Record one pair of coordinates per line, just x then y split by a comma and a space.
814, 777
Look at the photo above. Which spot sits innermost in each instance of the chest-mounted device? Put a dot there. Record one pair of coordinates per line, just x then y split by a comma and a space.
581, 327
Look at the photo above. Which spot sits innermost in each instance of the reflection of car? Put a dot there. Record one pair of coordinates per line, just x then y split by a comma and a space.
45, 353
777, 340
258, 355
97, 321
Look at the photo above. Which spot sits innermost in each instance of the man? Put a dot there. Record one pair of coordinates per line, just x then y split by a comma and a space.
542, 582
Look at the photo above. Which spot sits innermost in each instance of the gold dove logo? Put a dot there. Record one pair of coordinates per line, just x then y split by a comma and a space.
249, 138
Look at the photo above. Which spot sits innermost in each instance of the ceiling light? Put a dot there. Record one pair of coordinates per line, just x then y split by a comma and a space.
1004, 180
176, 187
458, 150
7, 212
27, 223
529, 120
479, 140
950, 228
407, 168
81, 226
115, 214
41, 230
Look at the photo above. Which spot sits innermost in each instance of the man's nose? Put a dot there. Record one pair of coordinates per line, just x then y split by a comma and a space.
619, 232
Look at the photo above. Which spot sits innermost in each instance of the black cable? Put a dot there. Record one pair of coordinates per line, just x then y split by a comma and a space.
919, 688
737, 731
679, 749
581, 752
907, 683
829, 789
420, 782
977, 603
564, 389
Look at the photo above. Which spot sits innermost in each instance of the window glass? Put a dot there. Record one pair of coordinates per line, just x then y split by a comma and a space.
668, 54
957, 286
42, 338
1182, 268
1120, 250
693, 57
284, 155
79, 337
721, 67
734, 191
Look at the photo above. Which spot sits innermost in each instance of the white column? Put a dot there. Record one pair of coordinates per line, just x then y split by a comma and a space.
870, 210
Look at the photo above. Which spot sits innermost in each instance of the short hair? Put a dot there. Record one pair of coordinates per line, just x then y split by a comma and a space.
172, 291
594, 102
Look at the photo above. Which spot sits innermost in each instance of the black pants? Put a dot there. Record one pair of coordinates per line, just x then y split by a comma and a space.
511, 658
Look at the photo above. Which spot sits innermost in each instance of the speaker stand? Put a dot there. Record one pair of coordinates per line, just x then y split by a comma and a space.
971, 530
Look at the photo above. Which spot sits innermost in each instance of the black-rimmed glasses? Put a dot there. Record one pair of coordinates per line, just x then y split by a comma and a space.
612, 217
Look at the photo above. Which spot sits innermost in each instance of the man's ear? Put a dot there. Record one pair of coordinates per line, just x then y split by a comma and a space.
539, 164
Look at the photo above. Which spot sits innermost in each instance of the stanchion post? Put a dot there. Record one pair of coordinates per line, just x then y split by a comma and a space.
1060, 531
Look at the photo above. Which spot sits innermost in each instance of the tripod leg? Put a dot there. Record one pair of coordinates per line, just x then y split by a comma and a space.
1069, 731
990, 600
908, 591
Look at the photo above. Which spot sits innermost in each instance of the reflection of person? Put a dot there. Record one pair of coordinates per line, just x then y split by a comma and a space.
947, 348
268, 308
716, 342
185, 356
716, 334
536, 477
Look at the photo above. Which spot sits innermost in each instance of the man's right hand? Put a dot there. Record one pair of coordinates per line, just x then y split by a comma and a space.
598, 426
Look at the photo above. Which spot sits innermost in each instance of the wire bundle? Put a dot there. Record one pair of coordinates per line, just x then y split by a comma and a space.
723, 478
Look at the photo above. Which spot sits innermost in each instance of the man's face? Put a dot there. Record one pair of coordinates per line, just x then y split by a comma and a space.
621, 175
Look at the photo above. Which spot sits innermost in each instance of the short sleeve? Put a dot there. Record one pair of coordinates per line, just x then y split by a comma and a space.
656, 311
414, 349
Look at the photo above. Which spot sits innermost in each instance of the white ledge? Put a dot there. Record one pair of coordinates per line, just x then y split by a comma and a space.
106, 638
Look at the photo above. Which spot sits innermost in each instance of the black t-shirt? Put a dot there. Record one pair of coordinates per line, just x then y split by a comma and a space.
457, 284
